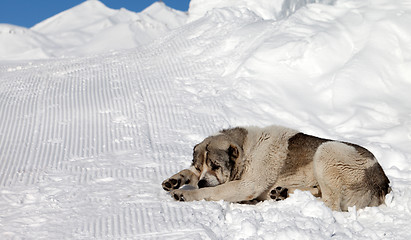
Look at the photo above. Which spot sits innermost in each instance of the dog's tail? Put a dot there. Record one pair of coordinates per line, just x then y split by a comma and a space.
383, 185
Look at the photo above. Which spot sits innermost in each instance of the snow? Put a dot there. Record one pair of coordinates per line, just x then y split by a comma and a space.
95, 114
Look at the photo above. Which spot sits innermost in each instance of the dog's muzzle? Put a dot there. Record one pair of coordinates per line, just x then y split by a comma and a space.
202, 183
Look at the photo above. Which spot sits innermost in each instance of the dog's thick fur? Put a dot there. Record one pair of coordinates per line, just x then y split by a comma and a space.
249, 163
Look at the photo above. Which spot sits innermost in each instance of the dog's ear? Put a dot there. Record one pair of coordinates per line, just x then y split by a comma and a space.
233, 152
194, 154
194, 148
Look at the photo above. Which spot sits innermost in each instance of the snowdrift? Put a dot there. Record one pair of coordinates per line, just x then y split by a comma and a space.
86, 140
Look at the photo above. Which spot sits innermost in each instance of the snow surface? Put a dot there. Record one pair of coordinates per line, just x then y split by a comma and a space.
86, 140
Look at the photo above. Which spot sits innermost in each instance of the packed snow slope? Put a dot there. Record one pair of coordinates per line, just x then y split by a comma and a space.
86, 141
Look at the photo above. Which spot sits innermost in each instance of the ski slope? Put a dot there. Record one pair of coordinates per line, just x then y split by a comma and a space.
87, 134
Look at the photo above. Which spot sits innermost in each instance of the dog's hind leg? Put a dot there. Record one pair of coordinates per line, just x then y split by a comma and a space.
281, 193
278, 193
349, 175
327, 170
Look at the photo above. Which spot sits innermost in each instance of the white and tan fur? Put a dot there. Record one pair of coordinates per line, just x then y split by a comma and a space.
255, 164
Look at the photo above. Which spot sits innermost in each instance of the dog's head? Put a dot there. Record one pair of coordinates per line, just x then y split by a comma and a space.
215, 160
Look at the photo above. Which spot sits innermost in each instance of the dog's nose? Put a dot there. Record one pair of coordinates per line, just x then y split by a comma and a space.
202, 183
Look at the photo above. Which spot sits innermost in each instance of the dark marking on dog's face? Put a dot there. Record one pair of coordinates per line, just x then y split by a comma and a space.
214, 160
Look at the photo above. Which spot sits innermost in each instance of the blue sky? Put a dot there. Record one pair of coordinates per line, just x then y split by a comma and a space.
27, 13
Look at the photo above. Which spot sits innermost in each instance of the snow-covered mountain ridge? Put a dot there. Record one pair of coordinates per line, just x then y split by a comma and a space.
86, 140
88, 28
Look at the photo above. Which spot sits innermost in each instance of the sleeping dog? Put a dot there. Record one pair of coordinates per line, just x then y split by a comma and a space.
248, 164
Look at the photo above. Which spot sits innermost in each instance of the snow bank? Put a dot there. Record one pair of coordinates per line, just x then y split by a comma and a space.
267, 9
85, 142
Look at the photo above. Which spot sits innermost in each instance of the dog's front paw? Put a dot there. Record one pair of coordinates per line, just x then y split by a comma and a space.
178, 196
171, 183
184, 195
279, 193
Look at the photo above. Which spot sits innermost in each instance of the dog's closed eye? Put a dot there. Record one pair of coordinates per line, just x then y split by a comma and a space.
214, 166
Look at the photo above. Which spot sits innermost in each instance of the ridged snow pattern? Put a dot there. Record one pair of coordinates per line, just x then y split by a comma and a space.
108, 127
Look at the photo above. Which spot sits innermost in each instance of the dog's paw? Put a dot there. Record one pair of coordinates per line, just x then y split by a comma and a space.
278, 193
185, 195
171, 183
178, 196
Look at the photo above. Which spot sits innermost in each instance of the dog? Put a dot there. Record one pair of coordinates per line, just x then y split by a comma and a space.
249, 164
